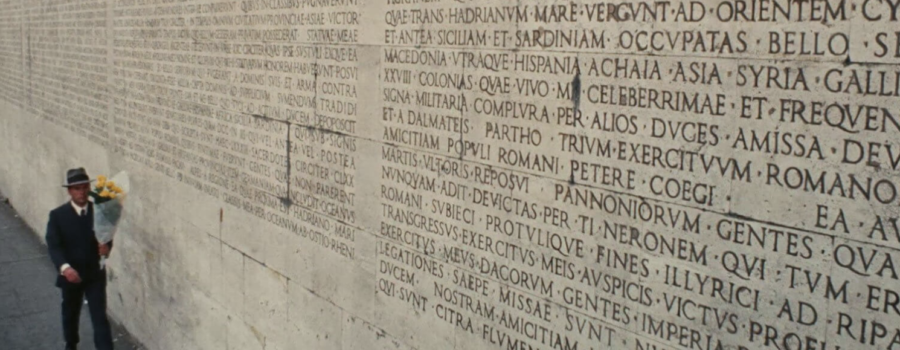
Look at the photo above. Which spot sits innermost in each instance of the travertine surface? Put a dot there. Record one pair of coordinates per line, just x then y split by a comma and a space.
411, 174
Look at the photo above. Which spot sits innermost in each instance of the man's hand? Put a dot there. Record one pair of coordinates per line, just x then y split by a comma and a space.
104, 250
72, 275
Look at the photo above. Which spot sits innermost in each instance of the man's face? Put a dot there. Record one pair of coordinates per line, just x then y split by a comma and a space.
79, 193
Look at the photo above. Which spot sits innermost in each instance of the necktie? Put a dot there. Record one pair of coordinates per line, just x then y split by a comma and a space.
83, 212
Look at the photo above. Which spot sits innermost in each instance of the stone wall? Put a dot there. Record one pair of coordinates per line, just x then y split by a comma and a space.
437, 174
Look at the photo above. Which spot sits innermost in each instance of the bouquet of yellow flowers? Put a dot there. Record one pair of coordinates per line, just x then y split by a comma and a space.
105, 190
109, 200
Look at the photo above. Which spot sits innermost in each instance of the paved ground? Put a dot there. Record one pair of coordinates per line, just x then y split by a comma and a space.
29, 303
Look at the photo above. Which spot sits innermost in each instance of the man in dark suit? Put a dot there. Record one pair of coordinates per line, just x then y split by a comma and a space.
76, 253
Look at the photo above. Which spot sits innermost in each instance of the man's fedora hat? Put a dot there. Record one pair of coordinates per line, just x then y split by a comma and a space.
76, 176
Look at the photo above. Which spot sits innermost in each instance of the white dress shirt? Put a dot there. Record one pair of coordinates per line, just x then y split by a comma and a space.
80, 211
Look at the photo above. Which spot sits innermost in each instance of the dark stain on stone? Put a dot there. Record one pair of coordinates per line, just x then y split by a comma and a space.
576, 89
286, 201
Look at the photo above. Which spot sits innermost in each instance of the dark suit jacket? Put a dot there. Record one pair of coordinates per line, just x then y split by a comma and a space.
71, 240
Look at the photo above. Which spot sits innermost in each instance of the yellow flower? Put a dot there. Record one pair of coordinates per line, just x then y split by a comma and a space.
101, 179
110, 184
104, 194
101, 183
118, 190
112, 195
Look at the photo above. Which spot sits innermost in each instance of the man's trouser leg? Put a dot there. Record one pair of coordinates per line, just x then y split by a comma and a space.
73, 297
96, 298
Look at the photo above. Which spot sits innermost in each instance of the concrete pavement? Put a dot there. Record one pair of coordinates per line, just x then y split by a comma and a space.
29, 303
